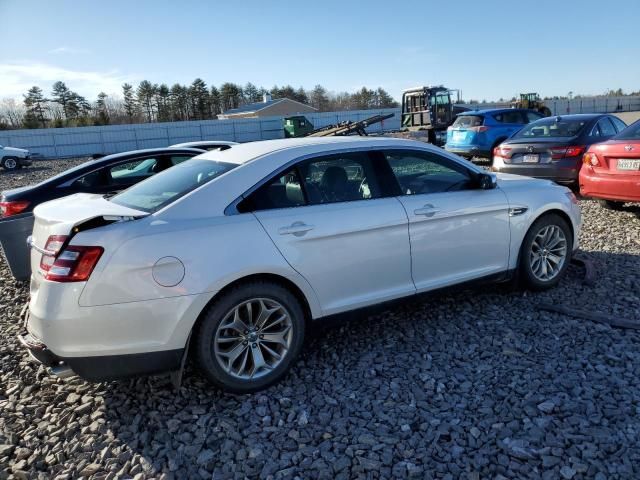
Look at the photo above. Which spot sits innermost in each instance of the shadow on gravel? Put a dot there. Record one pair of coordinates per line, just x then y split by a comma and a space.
473, 382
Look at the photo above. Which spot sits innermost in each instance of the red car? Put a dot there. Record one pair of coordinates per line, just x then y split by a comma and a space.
611, 170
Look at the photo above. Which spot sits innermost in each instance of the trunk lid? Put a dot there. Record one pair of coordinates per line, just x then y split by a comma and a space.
537, 151
618, 157
466, 130
68, 215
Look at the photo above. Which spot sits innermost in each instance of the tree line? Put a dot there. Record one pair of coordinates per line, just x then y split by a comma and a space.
152, 102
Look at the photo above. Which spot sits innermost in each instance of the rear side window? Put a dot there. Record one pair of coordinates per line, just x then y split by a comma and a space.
282, 192
552, 127
468, 121
509, 117
606, 128
171, 184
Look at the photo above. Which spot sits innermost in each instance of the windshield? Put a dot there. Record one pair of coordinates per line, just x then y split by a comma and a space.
468, 121
552, 127
171, 184
632, 132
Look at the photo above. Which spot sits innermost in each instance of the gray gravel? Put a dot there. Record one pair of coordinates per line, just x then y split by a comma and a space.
476, 384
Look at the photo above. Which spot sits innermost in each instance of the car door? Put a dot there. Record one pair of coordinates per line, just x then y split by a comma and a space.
458, 232
330, 220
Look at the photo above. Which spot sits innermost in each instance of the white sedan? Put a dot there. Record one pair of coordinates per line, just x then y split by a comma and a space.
233, 252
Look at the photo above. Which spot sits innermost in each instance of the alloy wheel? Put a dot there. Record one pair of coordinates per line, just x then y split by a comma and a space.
10, 164
548, 252
253, 338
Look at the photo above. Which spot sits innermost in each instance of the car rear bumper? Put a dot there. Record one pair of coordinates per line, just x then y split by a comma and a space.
102, 368
469, 150
610, 187
560, 172
105, 342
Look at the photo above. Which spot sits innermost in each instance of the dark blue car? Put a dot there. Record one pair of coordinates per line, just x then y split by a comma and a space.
476, 133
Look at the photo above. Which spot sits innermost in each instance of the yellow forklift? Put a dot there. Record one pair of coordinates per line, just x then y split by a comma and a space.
532, 101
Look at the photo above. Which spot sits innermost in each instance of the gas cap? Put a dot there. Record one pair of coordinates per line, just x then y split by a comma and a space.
168, 271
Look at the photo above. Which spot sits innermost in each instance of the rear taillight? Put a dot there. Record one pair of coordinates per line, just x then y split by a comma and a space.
591, 159
563, 152
8, 209
73, 263
479, 129
501, 151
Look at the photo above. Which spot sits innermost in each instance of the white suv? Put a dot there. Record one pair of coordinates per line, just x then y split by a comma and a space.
13, 158
234, 251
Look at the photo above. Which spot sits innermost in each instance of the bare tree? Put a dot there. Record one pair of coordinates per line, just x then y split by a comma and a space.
12, 113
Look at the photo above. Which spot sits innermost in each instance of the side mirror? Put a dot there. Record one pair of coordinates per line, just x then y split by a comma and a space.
487, 181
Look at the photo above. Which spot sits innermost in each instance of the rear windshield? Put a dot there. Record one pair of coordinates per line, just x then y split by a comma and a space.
468, 121
551, 127
171, 184
632, 132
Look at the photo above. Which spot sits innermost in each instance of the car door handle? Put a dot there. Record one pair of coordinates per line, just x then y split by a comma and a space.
297, 229
427, 211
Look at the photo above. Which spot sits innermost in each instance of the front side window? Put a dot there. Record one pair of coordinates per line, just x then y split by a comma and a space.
632, 132
425, 172
171, 184
619, 124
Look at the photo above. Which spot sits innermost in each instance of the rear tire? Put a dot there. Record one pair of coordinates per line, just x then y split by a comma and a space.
10, 163
242, 347
610, 204
546, 252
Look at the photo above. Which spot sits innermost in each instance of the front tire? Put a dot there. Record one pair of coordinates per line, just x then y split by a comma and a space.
546, 252
10, 163
250, 336
610, 204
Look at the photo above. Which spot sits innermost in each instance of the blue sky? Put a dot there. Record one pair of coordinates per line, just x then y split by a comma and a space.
488, 49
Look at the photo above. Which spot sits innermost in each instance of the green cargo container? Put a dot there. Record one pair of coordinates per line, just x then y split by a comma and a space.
297, 126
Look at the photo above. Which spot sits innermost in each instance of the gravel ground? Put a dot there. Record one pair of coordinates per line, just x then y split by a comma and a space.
476, 384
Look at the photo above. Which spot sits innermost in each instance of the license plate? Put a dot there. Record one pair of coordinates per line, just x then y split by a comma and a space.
626, 164
459, 136
531, 158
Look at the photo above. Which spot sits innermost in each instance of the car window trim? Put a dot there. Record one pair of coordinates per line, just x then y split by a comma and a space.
68, 183
232, 208
298, 172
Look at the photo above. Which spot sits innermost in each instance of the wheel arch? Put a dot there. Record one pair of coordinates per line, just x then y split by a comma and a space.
310, 309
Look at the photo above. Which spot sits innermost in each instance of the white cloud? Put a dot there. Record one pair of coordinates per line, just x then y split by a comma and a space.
69, 50
17, 78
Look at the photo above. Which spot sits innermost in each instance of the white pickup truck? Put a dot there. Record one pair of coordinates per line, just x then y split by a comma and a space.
13, 158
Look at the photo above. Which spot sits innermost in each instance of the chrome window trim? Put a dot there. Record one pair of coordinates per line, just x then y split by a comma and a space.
232, 208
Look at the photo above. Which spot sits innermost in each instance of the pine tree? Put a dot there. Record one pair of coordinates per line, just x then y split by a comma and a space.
230, 96
251, 93
129, 101
145, 95
102, 117
214, 101
35, 102
199, 99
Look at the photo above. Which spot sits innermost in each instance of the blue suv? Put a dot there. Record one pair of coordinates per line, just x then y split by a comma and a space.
476, 133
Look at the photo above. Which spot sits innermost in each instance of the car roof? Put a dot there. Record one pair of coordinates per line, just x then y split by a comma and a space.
245, 152
494, 111
577, 116
204, 142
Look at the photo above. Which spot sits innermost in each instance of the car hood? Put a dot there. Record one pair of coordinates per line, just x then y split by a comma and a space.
13, 151
510, 181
